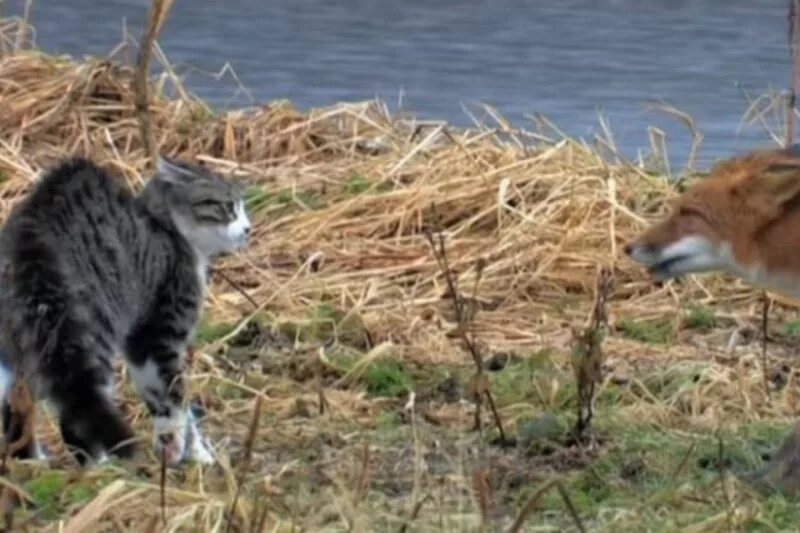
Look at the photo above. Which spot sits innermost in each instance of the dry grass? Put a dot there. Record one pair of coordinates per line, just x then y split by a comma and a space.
354, 353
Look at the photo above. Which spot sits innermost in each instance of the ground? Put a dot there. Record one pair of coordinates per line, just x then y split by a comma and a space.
675, 426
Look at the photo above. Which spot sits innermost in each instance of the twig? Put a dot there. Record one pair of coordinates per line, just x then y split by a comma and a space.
158, 14
248, 454
570, 506
163, 485
587, 356
21, 425
465, 311
237, 287
23, 411
364, 476
721, 465
531, 505
257, 526
683, 462
23, 26
414, 513
690, 123
765, 307
323, 400
483, 493
794, 37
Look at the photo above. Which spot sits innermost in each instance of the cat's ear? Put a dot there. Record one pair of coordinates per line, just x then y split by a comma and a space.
170, 171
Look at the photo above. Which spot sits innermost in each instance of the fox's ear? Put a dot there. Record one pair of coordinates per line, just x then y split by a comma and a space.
782, 179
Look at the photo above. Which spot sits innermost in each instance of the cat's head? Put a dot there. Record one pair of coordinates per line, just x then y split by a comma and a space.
207, 209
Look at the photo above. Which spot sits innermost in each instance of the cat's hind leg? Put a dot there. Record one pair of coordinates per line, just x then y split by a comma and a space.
92, 425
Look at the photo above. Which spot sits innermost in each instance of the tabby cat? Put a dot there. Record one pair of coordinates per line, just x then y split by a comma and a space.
90, 270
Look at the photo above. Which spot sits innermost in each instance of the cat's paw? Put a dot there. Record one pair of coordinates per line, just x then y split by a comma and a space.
180, 440
169, 438
198, 449
41, 452
198, 452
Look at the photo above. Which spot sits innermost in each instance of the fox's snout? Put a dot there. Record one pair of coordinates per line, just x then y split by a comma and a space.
636, 247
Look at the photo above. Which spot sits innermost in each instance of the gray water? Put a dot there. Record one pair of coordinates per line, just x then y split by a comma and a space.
566, 59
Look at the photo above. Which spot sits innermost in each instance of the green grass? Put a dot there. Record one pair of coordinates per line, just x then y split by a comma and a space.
46, 490
208, 332
514, 383
381, 377
258, 198
647, 331
387, 421
663, 481
53, 492
792, 329
358, 184
387, 377
701, 318
325, 322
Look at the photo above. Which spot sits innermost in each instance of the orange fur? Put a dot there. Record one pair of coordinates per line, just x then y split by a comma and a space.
751, 203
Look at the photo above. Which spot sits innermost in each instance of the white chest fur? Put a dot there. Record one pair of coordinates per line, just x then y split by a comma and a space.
785, 283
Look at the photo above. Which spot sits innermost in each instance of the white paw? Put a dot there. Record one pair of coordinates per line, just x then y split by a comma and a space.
39, 453
181, 440
198, 450
101, 459
169, 437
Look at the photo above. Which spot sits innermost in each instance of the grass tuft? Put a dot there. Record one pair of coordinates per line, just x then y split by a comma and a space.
648, 331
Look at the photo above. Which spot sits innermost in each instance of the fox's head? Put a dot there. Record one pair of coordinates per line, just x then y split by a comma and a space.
742, 219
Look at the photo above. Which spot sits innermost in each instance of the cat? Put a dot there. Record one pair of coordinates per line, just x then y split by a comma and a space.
88, 270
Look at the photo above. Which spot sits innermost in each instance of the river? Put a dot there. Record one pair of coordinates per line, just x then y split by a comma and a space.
565, 59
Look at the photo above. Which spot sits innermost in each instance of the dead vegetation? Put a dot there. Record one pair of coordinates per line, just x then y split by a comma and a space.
334, 385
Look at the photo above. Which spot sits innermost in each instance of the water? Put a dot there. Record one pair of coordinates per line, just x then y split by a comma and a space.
565, 59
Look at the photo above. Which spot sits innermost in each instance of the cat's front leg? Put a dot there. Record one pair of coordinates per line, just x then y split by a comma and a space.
156, 367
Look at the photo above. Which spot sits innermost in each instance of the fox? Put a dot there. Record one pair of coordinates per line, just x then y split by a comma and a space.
743, 219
